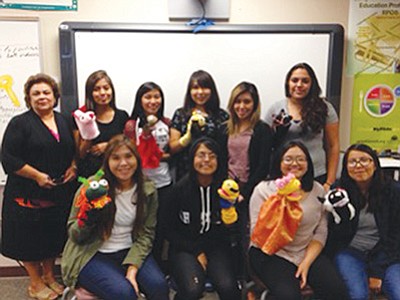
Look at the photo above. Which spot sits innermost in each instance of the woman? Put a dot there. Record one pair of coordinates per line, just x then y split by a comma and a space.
299, 262
199, 242
248, 140
38, 156
149, 101
313, 122
248, 143
108, 254
201, 98
367, 248
100, 98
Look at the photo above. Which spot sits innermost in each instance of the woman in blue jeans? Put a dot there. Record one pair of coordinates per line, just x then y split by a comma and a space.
108, 250
366, 249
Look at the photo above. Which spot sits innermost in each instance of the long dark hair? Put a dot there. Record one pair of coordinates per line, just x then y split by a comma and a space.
375, 190
107, 221
314, 110
138, 111
91, 82
211, 145
204, 80
307, 181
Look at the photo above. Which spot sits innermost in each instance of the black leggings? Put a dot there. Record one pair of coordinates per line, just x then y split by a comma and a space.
278, 275
190, 276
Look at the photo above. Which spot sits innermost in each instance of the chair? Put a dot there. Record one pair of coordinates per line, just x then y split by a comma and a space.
78, 294
390, 167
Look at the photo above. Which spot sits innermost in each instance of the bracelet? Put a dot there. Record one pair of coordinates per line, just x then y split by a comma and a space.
328, 183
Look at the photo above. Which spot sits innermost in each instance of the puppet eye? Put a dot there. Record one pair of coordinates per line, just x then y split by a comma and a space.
94, 185
103, 182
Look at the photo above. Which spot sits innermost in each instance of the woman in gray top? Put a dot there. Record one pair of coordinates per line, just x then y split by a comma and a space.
309, 119
300, 261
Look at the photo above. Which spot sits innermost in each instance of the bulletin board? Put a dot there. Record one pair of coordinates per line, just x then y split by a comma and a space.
19, 58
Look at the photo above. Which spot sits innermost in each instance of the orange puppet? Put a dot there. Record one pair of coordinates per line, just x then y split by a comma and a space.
279, 216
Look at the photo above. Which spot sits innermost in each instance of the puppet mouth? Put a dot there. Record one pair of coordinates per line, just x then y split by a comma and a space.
295, 196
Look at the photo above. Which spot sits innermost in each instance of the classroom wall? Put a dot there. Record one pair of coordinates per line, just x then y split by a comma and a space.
156, 11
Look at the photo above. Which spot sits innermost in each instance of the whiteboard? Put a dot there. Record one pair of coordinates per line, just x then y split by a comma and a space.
19, 58
168, 54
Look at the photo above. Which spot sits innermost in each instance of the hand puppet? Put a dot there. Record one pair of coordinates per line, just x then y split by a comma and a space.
198, 124
281, 123
279, 216
86, 122
148, 149
92, 198
228, 193
337, 202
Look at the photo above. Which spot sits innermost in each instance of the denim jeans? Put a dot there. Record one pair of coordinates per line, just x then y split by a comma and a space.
353, 265
104, 276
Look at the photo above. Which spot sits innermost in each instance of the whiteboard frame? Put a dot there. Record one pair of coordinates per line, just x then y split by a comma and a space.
68, 59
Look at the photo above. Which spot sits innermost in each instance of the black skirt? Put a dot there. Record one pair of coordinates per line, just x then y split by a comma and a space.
33, 234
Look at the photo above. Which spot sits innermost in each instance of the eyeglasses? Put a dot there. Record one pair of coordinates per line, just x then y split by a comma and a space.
288, 160
203, 155
363, 161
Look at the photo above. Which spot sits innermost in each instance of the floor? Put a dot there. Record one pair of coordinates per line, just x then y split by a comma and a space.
15, 288
14, 283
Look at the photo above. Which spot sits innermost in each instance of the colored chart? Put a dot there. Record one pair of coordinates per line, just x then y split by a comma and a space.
379, 101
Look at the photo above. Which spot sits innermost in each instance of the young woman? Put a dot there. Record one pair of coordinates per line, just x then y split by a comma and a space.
367, 248
248, 143
108, 253
100, 98
199, 242
248, 140
38, 155
201, 98
299, 262
314, 122
149, 101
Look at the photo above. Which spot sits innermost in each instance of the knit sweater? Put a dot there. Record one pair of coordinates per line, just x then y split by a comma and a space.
313, 225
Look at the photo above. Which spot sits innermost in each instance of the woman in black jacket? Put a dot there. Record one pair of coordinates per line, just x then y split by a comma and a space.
366, 249
199, 241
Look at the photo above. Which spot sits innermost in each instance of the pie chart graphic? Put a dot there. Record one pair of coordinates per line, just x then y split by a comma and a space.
379, 101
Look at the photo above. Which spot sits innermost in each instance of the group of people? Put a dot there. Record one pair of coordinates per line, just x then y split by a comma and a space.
162, 178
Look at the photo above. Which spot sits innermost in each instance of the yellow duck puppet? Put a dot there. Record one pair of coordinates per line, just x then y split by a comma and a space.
279, 216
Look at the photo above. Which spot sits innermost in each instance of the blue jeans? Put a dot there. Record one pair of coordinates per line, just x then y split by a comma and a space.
353, 267
104, 276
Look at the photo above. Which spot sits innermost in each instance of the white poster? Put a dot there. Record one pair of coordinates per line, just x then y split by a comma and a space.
19, 58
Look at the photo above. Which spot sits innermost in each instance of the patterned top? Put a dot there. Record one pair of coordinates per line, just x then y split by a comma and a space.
213, 130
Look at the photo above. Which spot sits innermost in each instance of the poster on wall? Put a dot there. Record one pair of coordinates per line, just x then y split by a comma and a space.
374, 39
19, 58
40, 4
376, 111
